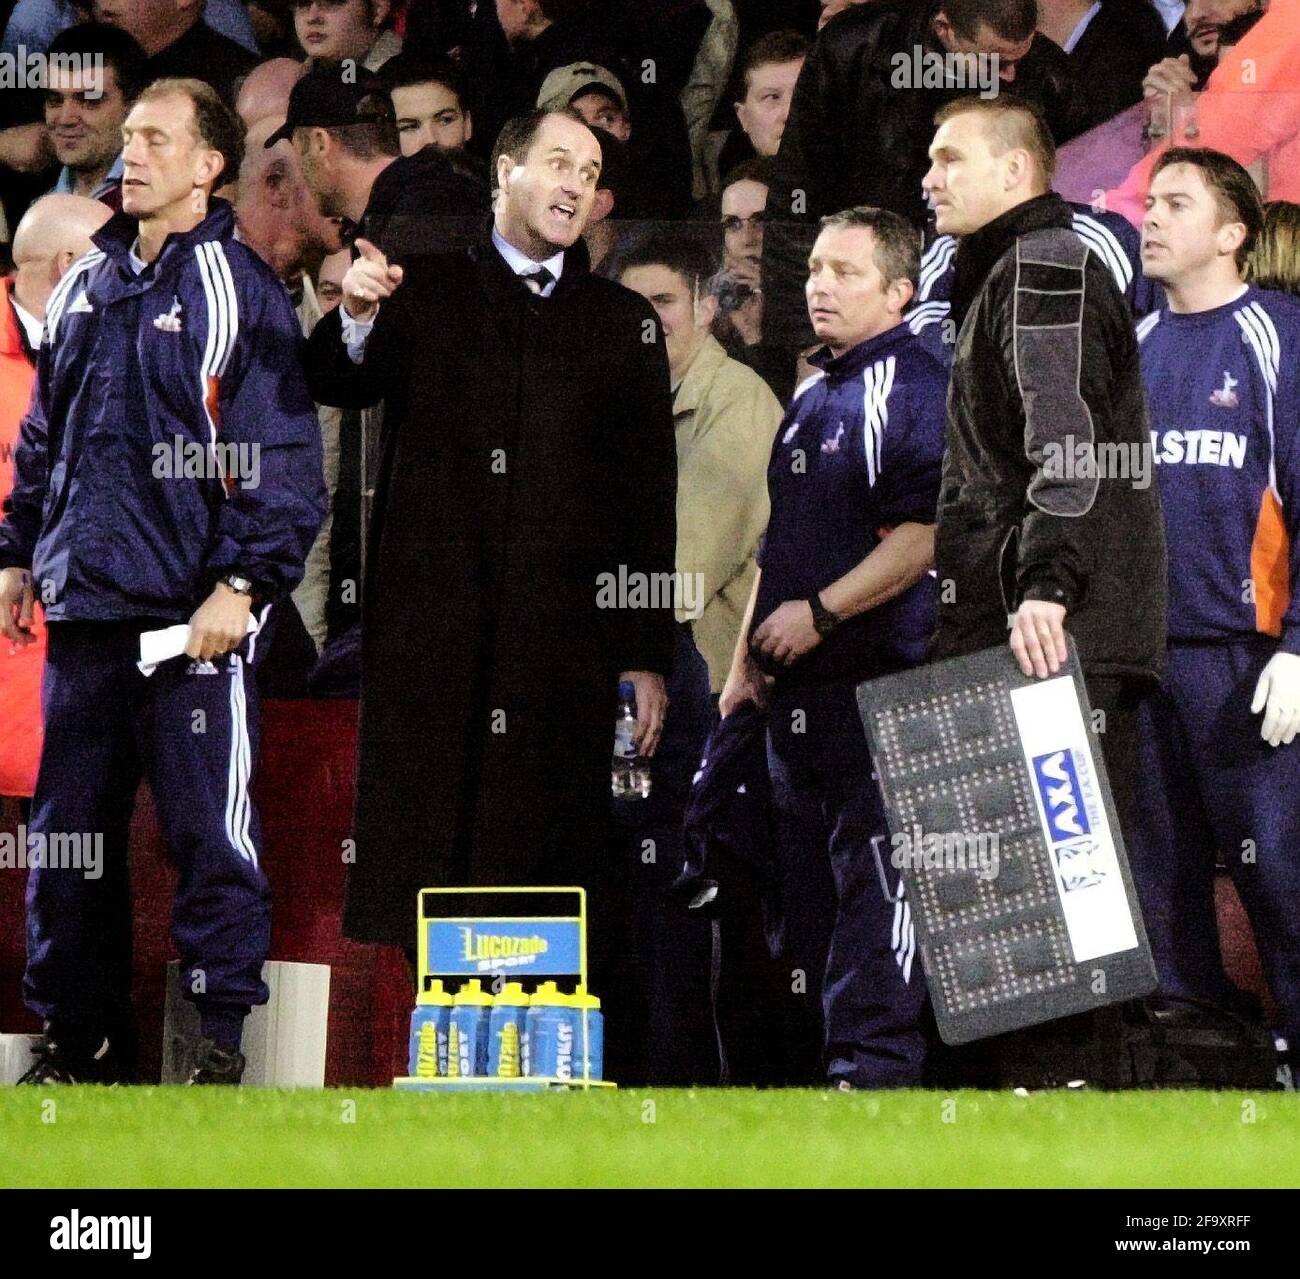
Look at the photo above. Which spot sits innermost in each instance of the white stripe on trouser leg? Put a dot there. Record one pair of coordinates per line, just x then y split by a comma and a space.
234, 782
245, 834
232, 771
252, 642
237, 800
905, 941
243, 814
895, 936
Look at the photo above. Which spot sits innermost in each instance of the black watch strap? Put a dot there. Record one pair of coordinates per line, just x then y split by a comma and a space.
824, 621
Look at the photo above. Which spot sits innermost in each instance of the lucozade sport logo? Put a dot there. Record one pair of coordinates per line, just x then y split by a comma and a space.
501, 949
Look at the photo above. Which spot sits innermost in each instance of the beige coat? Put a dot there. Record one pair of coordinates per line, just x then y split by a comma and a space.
725, 418
311, 597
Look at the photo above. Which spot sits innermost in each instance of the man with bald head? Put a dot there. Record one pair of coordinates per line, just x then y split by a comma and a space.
53, 234
265, 90
277, 214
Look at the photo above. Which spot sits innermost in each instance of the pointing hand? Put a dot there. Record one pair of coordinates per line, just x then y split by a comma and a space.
368, 281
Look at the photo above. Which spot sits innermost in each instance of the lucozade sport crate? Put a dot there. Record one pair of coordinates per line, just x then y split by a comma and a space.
507, 951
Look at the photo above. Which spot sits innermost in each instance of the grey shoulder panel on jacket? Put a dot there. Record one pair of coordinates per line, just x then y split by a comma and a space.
1063, 247
1052, 246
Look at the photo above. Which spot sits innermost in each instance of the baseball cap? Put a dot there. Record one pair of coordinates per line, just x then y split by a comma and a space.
324, 98
566, 83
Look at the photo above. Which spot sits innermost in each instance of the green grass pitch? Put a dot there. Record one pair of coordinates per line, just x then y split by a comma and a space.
174, 1137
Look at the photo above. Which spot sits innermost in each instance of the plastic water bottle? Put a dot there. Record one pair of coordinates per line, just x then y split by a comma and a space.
630, 774
588, 1035
467, 1031
506, 1032
548, 1033
429, 1026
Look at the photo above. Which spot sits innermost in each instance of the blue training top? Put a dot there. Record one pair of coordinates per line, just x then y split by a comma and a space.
858, 452
1223, 393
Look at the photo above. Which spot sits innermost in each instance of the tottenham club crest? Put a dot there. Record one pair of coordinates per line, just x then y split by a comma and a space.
833, 444
1225, 397
169, 321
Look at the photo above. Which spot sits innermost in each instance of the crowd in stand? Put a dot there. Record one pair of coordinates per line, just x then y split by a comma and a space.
732, 138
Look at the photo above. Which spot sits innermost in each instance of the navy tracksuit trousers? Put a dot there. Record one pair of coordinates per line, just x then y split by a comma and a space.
192, 730
843, 923
1207, 781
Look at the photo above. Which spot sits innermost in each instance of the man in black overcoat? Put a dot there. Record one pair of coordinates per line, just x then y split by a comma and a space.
527, 483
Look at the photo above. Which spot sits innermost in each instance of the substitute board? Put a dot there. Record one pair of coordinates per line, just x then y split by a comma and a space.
1004, 831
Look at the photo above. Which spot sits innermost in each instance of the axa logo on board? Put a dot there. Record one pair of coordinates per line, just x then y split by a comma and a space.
1057, 779
1067, 796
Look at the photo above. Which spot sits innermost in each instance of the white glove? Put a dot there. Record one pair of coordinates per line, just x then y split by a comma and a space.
1278, 695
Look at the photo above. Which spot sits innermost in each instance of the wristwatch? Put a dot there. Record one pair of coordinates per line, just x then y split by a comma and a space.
240, 585
824, 621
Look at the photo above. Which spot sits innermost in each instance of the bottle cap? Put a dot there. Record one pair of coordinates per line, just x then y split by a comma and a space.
436, 994
472, 992
513, 994
626, 690
581, 998
548, 995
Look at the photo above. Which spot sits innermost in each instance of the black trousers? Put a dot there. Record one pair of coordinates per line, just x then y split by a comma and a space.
1116, 728
1019, 1056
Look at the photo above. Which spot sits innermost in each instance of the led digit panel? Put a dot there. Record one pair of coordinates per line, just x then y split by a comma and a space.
1003, 829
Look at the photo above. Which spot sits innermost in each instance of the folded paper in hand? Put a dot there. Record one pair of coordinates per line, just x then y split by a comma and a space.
163, 645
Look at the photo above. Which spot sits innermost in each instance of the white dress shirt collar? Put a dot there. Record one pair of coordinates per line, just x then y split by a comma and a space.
522, 264
31, 325
1077, 34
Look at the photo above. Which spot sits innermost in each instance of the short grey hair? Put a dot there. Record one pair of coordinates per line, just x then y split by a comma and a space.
898, 243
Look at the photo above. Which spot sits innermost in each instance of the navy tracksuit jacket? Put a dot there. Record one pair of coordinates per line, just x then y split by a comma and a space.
170, 441
858, 452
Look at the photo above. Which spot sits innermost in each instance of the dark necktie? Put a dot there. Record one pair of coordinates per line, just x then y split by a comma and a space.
538, 280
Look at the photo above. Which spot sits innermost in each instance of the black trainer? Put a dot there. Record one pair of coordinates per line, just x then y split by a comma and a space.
216, 1065
61, 1061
